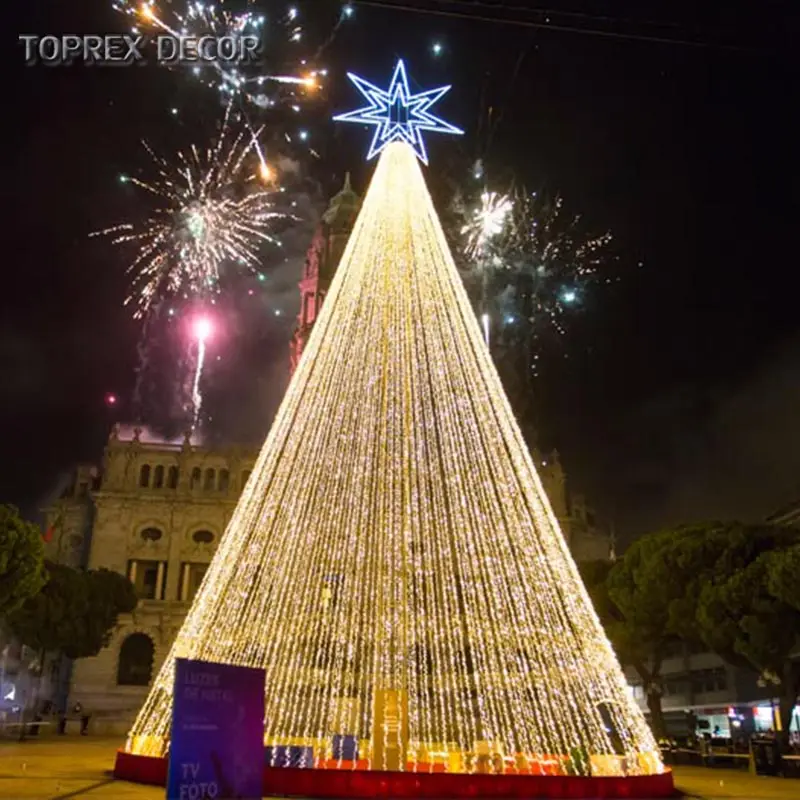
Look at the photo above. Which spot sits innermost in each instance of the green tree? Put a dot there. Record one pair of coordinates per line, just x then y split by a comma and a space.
75, 612
729, 586
747, 611
21, 560
643, 598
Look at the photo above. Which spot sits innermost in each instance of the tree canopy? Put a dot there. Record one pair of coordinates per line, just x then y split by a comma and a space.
747, 612
783, 576
75, 612
731, 587
21, 560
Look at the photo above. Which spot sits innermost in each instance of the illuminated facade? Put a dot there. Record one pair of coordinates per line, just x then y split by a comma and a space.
154, 512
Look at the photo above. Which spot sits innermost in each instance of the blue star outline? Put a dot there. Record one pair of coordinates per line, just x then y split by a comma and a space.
398, 115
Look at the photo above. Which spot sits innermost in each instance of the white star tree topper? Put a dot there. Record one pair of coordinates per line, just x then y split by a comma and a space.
397, 114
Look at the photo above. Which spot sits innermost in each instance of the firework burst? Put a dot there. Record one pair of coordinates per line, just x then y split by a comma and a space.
252, 82
214, 208
546, 260
534, 261
486, 222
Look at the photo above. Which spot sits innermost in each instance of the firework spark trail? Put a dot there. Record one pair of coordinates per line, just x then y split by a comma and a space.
196, 19
197, 397
212, 211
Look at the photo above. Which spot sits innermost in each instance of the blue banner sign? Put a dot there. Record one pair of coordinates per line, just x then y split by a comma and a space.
217, 743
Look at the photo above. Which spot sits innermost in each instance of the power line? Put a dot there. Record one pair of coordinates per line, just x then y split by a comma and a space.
554, 27
553, 12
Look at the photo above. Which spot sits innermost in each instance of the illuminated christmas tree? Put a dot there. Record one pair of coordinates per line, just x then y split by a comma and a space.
393, 563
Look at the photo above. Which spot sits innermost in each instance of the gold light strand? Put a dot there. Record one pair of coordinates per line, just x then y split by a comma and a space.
394, 547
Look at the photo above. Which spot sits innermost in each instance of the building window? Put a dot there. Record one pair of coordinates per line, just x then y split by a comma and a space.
135, 666
245, 477
83, 489
158, 477
202, 537
144, 476
151, 534
191, 578
197, 477
709, 680
148, 578
209, 480
172, 478
224, 480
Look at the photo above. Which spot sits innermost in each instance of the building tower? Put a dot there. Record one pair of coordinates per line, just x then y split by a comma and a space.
322, 259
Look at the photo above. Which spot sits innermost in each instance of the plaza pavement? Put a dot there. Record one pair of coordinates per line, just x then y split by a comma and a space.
71, 767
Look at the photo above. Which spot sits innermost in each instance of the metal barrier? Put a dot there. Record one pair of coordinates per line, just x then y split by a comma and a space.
789, 765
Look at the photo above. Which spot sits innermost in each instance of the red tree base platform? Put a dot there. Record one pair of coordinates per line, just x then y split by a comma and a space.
327, 783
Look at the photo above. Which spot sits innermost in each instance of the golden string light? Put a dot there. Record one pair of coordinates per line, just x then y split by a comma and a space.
393, 563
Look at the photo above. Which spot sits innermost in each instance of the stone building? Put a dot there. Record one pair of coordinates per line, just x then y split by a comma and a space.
155, 512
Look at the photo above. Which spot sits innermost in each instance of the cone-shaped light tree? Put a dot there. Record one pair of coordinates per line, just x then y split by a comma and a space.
393, 562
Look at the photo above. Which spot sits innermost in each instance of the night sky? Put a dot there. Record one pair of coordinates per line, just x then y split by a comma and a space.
675, 394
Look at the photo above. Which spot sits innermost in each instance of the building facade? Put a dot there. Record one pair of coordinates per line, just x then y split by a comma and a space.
155, 512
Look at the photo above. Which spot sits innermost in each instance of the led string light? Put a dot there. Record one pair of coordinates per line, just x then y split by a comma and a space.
398, 115
394, 543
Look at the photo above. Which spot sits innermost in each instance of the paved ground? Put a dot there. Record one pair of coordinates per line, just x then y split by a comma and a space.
61, 769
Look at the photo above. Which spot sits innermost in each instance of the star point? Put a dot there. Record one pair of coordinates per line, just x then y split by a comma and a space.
397, 114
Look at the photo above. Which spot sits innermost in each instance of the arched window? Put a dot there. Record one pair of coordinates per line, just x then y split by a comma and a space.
144, 476
245, 477
135, 666
208, 480
172, 478
151, 534
224, 480
203, 537
197, 477
158, 477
